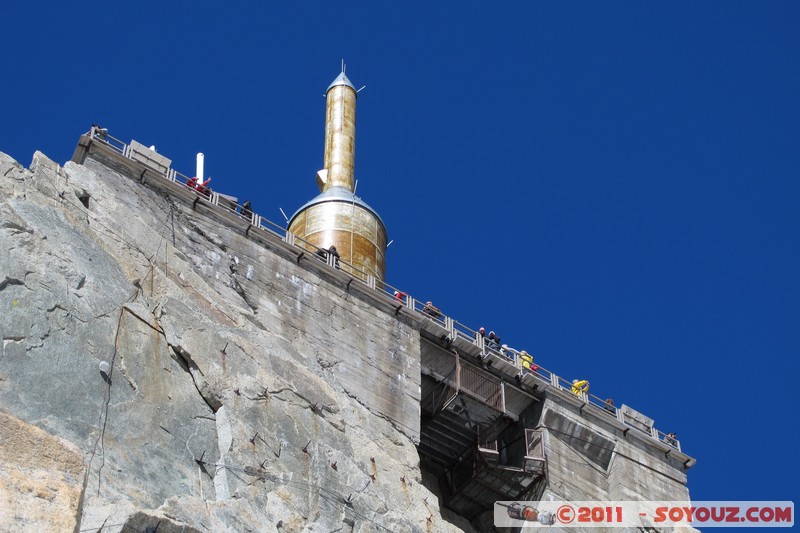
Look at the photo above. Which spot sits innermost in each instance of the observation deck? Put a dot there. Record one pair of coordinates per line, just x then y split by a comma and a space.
473, 396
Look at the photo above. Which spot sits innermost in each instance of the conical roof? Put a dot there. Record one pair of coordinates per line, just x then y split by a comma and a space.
340, 80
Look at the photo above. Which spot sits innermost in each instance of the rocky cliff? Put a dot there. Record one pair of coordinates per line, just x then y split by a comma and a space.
159, 370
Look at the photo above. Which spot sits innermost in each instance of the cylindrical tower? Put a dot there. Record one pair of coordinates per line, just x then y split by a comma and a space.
337, 217
340, 134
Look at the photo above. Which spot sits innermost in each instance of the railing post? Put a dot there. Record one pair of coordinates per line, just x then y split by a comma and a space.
620, 415
289, 237
371, 281
484, 353
214, 198
527, 442
503, 396
554, 381
654, 433
458, 373
449, 326
410, 302
256, 220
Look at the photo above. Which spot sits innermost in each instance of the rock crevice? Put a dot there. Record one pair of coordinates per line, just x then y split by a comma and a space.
252, 392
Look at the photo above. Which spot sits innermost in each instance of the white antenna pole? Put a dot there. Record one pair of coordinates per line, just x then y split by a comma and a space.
200, 162
284, 215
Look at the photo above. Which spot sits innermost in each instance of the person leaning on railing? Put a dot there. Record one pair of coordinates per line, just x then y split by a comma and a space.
527, 362
101, 132
197, 185
331, 251
580, 386
493, 341
247, 210
431, 310
609, 406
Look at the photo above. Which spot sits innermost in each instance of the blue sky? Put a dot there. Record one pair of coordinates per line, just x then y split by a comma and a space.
612, 186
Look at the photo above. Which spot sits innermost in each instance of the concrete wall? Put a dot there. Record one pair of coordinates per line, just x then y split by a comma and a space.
591, 460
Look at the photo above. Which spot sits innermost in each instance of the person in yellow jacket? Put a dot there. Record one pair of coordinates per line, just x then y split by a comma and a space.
527, 361
580, 386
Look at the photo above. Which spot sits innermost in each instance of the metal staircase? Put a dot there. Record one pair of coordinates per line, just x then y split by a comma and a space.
463, 415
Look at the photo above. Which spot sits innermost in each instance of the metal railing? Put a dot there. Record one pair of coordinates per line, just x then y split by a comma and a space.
102, 134
534, 444
455, 329
483, 388
483, 440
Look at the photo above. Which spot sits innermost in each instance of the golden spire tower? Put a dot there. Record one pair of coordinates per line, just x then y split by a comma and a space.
337, 217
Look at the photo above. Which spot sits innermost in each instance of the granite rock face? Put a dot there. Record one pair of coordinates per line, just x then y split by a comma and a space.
166, 371
41, 482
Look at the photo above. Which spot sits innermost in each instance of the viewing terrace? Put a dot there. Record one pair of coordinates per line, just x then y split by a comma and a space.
456, 357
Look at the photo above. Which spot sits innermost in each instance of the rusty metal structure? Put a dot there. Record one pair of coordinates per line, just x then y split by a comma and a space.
337, 217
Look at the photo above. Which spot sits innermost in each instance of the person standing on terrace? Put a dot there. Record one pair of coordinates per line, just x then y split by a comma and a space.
431, 310
580, 386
